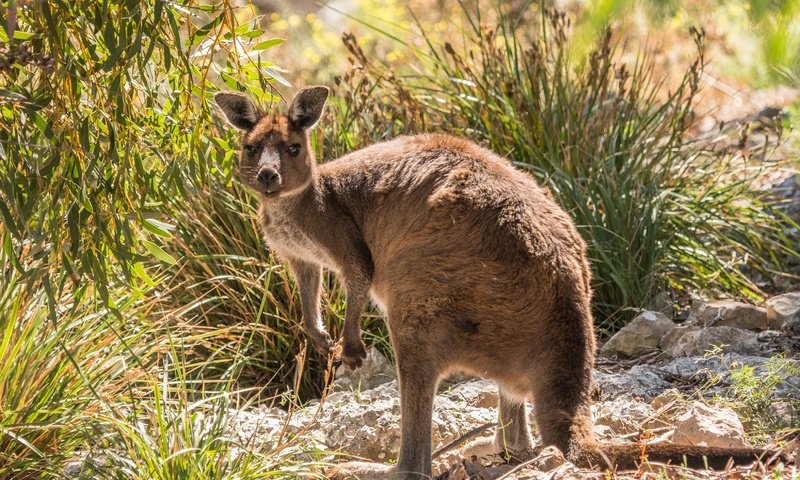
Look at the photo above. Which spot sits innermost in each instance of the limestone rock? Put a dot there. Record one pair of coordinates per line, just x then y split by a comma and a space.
367, 423
783, 312
257, 426
549, 459
670, 339
642, 335
698, 342
375, 371
640, 381
728, 313
475, 393
667, 399
711, 426
625, 415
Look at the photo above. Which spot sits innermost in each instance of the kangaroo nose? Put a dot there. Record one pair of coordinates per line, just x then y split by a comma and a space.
267, 176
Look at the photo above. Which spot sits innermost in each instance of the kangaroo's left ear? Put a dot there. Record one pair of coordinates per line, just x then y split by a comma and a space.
307, 106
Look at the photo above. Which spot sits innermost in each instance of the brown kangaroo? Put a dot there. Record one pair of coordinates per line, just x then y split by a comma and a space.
476, 267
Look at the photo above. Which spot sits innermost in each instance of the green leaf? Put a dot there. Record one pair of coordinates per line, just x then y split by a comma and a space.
25, 35
203, 32
158, 228
159, 253
273, 72
11, 95
139, 271
268, 44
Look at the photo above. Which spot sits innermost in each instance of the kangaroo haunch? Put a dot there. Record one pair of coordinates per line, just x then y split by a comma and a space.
475, 266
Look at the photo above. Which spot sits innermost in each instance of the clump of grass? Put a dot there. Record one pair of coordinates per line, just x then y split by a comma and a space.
181, 429
53, 370
757, 391
657, 209
117, 399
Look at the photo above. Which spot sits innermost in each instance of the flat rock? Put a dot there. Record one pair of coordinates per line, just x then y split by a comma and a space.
783, 312
640, 381
710, 426
728, 313
641, 335
727, 339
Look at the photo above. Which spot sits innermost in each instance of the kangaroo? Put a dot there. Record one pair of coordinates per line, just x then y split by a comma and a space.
475, 266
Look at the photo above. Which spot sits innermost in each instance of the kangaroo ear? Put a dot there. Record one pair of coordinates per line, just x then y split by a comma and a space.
307, 106
238, 109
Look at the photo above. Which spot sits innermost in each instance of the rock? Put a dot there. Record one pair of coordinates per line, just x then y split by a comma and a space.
662, 302
730, 339
625, 415
548, 459
783, 312
642, 335
670, 339
702, 369
687, 368
367, 423
257, 426
710, 426
667, 399
640, 381
375, 371
727, 313
475, 393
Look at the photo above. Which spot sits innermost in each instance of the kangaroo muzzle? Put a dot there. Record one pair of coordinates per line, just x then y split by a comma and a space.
269, 179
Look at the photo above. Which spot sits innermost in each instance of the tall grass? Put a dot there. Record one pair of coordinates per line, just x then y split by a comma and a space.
87, 393
613, 143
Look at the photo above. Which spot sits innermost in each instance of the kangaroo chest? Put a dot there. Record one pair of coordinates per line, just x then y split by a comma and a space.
290, 240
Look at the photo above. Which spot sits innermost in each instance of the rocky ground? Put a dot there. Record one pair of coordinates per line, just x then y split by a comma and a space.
727, 375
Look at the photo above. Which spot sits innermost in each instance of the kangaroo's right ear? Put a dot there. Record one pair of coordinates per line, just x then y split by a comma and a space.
238, 109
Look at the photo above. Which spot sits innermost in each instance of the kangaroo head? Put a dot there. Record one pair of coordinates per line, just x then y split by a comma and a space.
276, 157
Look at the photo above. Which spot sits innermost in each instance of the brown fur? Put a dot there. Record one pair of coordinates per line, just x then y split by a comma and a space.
476, 267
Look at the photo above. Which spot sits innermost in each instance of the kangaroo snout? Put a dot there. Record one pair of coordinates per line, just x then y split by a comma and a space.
270, 179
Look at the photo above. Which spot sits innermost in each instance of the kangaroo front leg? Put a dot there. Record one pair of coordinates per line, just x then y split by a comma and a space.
309, 281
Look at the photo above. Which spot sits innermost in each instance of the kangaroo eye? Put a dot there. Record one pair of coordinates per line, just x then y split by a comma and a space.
294, 149
250, 150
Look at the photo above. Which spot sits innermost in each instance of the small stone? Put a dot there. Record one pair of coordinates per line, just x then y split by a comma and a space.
642, 335
783, 312
640, 381
727, 313
625, 415
375, 371
667, 399
549, 459
728, 339
709, 426
670, 339
662, 302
